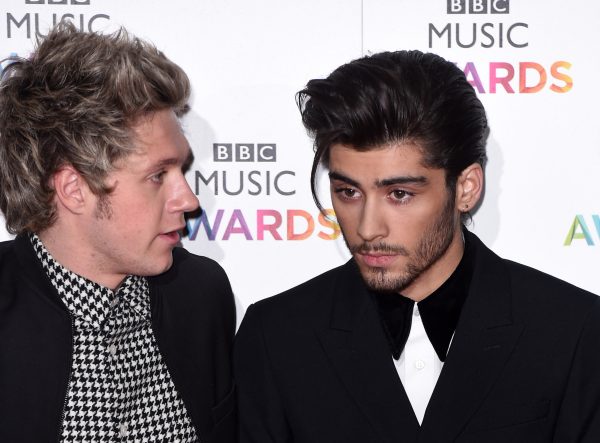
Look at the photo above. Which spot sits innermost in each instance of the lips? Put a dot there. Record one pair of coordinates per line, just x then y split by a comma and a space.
376, 260
171, 237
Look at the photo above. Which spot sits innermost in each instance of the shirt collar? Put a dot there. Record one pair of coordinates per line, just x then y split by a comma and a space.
89, 300
439, 311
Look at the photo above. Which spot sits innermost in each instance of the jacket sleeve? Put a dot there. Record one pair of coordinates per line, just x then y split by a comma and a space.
579, 414
261, 411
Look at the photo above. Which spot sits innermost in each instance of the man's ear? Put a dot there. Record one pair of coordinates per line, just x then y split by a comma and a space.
469, 187
71, 189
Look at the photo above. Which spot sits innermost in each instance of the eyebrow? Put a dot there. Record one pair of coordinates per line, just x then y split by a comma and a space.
337, 176
174, 161
401, 180
187, 163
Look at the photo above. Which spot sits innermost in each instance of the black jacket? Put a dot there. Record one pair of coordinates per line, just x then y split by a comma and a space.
313, 365
193, 319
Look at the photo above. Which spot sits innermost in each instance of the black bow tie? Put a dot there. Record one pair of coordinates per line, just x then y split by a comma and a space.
440, 311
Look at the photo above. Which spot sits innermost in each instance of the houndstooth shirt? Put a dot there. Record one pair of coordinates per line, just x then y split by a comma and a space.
119, 389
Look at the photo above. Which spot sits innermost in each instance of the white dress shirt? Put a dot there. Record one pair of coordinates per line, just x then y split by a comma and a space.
418, 366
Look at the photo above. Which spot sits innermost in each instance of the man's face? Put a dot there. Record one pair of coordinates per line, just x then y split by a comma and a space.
134, 229
397, 216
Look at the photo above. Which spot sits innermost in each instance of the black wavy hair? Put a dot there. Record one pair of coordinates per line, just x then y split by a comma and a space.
402, 96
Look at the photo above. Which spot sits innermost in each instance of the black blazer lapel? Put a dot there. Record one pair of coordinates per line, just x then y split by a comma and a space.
356, 346
484, 339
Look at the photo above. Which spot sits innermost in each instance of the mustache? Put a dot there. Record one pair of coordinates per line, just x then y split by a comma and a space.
382, 248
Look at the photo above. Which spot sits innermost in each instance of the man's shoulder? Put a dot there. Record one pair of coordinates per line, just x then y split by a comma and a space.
550, 305
307, 296
537, 298
5, 245
195, 276
528, 284
6, 249
533, 281
17, 256
9, 273
187, 264
540, 295
299, 311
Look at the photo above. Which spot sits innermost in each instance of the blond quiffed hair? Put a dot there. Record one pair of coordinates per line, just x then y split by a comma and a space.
73, 101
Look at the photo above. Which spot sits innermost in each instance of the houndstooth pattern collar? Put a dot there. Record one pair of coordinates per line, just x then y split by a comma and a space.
119, 389
86, 299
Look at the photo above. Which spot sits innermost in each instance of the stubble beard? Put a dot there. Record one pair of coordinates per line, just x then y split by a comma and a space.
434, 243
103, 210
121, 259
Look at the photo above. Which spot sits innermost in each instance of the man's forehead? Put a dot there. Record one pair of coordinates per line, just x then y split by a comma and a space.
381, 166
147, 119
154, 155
142, 158
159, 131
152, 125
397, 153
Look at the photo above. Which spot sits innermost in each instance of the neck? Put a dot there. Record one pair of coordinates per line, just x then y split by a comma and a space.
69, 249
434, 276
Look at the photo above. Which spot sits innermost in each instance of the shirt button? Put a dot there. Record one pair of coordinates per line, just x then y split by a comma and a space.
112, 349
123, 431
417, 313
419, 364
114, 302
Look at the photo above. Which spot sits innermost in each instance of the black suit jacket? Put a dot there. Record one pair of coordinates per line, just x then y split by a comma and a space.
313, 364
193, 319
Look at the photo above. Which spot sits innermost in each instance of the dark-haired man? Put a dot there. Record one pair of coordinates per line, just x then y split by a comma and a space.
425, 335
109, 332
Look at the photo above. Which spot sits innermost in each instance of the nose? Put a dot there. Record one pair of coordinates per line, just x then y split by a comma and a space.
372, 224
182, 198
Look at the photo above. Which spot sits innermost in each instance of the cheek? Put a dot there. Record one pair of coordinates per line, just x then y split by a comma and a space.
421, 216
346, 216
143, 207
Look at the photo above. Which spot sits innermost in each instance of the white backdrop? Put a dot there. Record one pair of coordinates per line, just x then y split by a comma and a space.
534, 64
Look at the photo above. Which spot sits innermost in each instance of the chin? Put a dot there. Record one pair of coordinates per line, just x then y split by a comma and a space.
167, 264
158, 266
386, 280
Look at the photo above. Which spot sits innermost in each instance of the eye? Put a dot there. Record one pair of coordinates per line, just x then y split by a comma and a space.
346, 193
158, 177
400, 195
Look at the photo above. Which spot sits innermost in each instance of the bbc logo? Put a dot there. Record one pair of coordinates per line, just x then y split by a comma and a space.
244, 152
478, 6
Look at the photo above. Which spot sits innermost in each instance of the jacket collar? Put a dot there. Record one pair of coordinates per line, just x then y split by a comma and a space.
358, 350
484, 339
32, 272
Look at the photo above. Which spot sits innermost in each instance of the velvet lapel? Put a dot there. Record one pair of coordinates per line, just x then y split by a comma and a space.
356, 346
483, 341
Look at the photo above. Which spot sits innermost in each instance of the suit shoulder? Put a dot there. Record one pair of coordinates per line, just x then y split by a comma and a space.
195, 275
5, 245
6, 249
196, 266
539, 293
11, 264
7, 273
317, 290
533, 278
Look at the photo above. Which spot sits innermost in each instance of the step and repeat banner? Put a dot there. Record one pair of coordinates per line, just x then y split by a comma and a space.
534, 64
